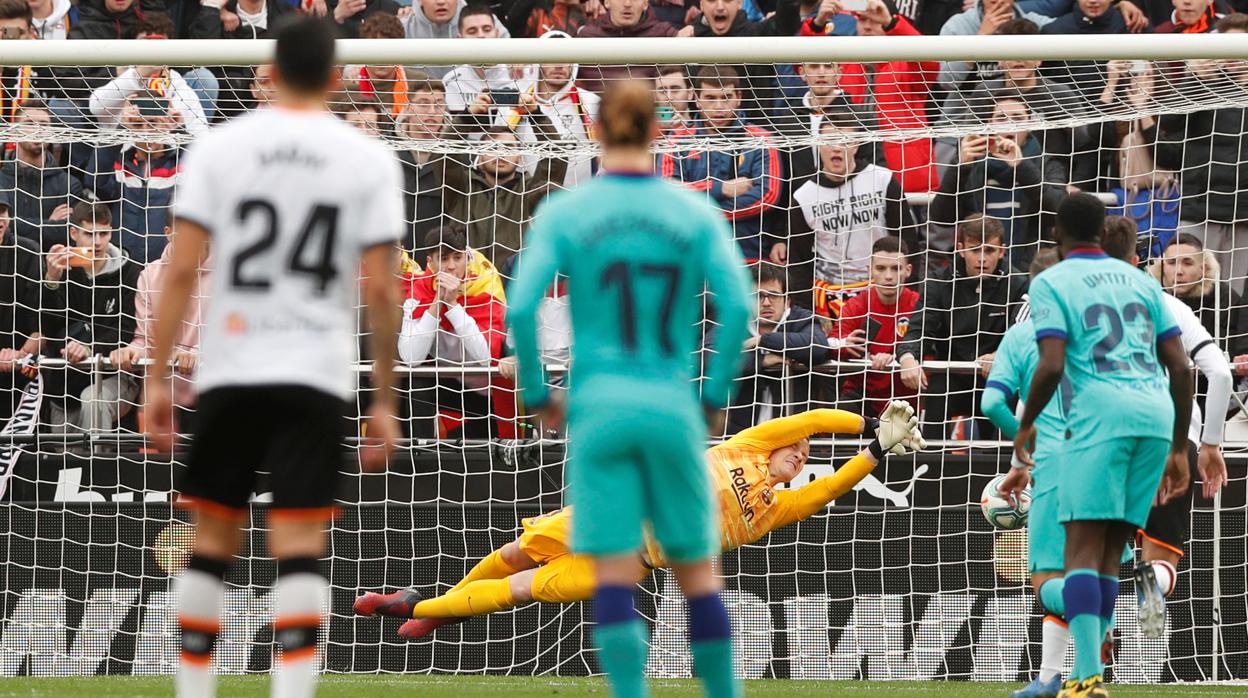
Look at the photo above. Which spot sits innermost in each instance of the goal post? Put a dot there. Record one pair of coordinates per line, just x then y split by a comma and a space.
899, 579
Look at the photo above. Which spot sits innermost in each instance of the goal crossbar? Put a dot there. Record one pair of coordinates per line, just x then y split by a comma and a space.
640, 50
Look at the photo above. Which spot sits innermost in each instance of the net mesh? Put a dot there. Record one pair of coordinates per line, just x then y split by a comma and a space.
812, 164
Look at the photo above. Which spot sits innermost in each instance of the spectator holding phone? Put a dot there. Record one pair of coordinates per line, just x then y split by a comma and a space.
137, 179
1000, 175
476, 88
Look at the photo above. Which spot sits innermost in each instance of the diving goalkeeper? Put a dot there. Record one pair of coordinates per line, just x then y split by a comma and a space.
745, 471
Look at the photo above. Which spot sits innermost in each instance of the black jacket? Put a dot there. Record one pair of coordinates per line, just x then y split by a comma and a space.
1210, 148
96, 311
964, 317
21, 292
35, 195
351, 28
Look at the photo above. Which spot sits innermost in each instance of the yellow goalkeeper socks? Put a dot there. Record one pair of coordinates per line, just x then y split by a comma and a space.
491, 566
473, 599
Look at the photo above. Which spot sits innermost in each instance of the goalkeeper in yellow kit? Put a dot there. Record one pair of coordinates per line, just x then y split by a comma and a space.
745, 471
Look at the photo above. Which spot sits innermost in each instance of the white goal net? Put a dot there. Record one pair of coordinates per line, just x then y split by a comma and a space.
826, 160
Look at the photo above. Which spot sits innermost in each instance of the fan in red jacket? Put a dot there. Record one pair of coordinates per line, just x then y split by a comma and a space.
882, 314
900, 90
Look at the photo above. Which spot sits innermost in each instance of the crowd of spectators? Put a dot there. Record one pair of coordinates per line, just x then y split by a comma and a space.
883, 249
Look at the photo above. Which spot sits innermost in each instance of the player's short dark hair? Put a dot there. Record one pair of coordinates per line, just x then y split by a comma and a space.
765, 273
157, 23
890, 243
16, 9
1044, 259
980, 229
90, 212
1120, 238
446, 238
1081, 218
304, 54
1236, 21
473, 9
723, 77
1187, 239
381, 25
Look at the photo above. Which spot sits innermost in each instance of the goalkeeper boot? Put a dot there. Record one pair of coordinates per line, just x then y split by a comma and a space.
1152, 601
420, 627
1094, 688
396, 605
1039, 689
1073, 688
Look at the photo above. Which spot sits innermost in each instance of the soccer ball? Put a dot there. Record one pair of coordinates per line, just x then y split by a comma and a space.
1000, 512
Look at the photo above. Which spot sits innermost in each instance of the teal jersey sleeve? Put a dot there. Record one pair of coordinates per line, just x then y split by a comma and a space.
1048, 312
726, 278
1009, 377
537, 267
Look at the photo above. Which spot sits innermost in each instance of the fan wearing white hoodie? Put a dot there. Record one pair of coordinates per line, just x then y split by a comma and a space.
51, 18
570, 109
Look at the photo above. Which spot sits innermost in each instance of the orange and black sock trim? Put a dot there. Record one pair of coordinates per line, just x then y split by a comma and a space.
297, 633
199, 634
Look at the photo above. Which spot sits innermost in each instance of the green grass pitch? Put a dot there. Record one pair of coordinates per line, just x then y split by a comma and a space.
355, 686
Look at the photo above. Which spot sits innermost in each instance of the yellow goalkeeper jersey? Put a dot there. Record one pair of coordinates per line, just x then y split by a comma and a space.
749, 507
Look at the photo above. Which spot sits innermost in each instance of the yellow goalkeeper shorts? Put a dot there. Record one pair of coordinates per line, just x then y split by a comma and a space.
547, 536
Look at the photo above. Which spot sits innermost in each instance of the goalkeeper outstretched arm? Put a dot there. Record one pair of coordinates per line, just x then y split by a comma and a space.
895, 431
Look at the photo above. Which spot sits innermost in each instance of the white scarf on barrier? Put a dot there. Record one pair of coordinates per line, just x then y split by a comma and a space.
23, 423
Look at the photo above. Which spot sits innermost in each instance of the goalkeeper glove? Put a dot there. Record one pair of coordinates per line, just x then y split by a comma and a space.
897, 430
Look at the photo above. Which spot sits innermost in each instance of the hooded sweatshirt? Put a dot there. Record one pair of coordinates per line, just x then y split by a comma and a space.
56, 25
93, 308
151, 280
572, 111
418, 26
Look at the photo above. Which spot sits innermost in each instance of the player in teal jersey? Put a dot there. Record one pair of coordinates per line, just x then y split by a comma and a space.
1103, 324
637, 252
1012, 369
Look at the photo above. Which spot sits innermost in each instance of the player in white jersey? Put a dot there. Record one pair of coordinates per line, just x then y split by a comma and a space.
1163, 537
293, 202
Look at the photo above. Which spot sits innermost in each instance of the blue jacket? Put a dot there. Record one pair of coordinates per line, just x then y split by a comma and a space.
708, 170
140, 191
